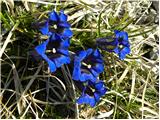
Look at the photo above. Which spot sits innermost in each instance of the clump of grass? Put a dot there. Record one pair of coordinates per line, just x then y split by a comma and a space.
29, 91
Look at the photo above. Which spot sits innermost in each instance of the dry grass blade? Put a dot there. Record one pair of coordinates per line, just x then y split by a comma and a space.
71, 91
19, 89
32, 80
150, 111
8, 39
26, 110
118, 9
62, 84
41, 2
123, 75
133, 84
10, 3
8, 111
25, 2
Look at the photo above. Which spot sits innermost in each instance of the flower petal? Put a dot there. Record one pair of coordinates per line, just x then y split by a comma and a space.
55, 37
64, 52
86, 99
76, 71
97, 96
117, 33
81, 55
102, 91
92, 101
51, 64
99, 85
82, 99
98, 68
123, 52
116, 50
97, 53
89, 51
86, 76
62, 16
125, 36
67, 33
65, 44
53, 16
95, 74
61, 60
42, 47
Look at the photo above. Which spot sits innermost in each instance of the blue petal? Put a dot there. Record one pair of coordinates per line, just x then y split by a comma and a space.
76, 71
86, 76
102, 91
99, 85
83, 99
55, 37
51, 64
42, 47
125, 36
89, 51
86, 99
53, 16
92, 101
96, 96
67, 33
98, 56
45, 29
81, 55
62, 16
98, 68
65, 44
97, 53
95, 74
64, 52
123, 52
117, 33
116, 50
61, 60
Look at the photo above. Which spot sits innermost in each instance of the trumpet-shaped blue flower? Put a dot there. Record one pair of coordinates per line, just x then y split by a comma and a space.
57, 24
54, 51
87, 65
99, 90
119, 44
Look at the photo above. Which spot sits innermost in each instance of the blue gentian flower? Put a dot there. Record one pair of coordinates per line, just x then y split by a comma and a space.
57, 24
124, 46
119, 44
54, 51
99, 90
87, 65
